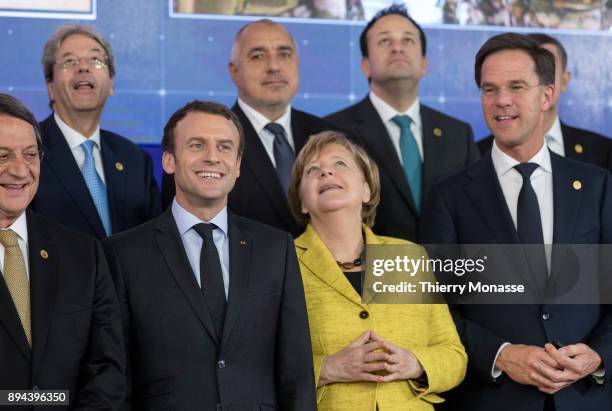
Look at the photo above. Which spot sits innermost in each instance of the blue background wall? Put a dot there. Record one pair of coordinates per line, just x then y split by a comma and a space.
163, 62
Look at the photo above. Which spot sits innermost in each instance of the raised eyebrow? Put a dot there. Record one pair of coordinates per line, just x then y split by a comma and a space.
70, 53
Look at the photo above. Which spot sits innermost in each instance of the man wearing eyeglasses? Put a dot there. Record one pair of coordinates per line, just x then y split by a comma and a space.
93, 181
60, 325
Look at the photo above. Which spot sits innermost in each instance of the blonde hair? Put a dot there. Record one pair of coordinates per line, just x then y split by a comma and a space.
316, 143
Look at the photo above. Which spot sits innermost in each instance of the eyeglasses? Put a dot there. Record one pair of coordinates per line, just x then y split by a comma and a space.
517, 89
30, 157
70, 63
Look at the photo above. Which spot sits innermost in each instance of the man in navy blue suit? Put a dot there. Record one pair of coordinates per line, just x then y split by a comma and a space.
521, 192
413, 144
92, 180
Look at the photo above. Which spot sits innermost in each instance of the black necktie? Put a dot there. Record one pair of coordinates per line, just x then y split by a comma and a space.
211, 277
283, 155
529, 223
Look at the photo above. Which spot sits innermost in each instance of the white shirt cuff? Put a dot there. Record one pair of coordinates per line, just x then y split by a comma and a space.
496, 372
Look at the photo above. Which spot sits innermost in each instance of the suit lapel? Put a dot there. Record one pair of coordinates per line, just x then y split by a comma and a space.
300, 130
317, 258
257, 160
433, 149
60, 160
10, 320
115, 171
171, 248
566, 201
372, 130
487, 197
240, 265
44, 270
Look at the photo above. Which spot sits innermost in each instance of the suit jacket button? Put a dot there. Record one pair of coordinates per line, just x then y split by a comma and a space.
545, 316
221, 364
363, 315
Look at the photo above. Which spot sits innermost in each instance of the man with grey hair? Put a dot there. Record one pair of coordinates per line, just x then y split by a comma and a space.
264, 67
93, 181
60, 323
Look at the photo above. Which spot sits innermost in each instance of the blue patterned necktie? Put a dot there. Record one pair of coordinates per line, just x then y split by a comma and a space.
283, 155
410, 157
96, 186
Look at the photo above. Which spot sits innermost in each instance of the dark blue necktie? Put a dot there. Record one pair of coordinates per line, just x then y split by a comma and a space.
211, 277
283, 155
529, 223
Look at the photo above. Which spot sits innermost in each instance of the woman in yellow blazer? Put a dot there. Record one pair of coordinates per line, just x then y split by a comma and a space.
368, 357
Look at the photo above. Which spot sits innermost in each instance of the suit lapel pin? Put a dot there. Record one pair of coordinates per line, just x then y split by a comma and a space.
577, 185
119, 166
44, 254
437, 132
242, 242
578, 148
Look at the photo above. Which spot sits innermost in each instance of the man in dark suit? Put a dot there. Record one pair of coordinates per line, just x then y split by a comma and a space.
561, 138
212, 303
92, 180
413, 145
264, 67
60, 324
522, 193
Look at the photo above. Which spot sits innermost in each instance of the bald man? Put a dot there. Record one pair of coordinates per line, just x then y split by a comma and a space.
264, 67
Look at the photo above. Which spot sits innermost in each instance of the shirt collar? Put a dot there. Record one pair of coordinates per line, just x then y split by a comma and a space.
20, 227
186, 220
259, 121
73, 137
387, 112
503, 163
555, 132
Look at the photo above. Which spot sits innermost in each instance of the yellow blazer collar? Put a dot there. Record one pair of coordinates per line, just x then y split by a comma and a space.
315, 256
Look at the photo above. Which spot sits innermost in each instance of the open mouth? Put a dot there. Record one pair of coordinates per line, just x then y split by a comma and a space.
83, 85
505, 118
210, 175
329, 187
14, 187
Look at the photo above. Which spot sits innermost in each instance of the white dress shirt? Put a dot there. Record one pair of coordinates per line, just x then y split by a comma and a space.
259, 122
386, 113
74, 140
20, 227
193, 242
554, 138
511, 182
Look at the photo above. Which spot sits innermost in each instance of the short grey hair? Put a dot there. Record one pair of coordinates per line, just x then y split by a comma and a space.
61, 34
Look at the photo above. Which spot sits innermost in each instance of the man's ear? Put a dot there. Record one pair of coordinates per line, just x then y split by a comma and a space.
168, 162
